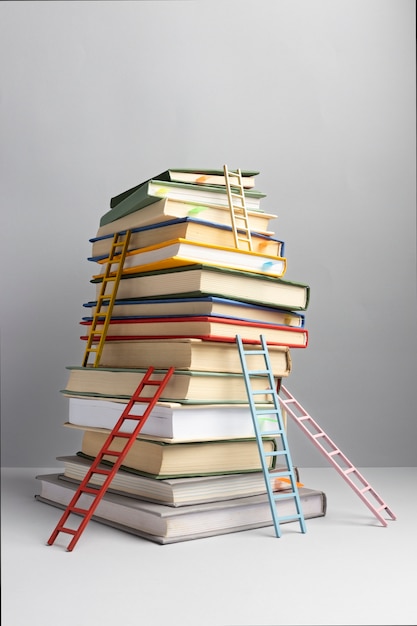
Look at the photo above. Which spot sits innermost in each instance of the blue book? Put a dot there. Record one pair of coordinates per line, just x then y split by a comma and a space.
189, 228
207, 305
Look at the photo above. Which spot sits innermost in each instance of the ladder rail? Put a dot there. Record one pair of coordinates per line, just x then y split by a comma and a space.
117, 256
97, 493
238, 211
278, 432
334, 455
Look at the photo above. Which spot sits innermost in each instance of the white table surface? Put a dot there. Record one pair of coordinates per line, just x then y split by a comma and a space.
347, 568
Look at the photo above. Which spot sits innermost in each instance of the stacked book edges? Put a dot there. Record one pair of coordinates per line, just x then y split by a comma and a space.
188, 287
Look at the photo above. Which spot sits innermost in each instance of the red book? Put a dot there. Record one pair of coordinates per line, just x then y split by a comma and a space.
202, 327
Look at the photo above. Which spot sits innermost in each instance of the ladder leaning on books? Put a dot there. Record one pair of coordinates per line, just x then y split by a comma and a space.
310, 427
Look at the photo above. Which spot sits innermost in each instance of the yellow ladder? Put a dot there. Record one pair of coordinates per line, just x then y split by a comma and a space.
238, 212
111, 276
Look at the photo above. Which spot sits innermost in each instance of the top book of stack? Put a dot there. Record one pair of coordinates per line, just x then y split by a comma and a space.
172, 184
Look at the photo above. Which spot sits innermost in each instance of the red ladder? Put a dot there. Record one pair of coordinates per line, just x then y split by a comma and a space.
98, 493
336, 457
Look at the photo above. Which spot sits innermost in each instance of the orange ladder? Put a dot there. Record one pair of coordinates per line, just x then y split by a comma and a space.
101, 321
85, 488
335, 456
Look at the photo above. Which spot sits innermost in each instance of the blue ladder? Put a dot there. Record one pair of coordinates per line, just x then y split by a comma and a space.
278, 431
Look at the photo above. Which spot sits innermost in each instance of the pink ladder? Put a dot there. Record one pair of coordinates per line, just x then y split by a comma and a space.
335, 456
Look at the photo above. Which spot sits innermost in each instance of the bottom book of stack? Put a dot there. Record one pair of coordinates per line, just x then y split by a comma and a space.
172, 510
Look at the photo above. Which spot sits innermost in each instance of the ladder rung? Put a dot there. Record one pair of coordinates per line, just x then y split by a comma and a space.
271, 433
254, 352
285, 495
116, 453
118, 433
133, 417
106, 472
70, 531
78, 511
276, 453
280, 473
288, 518
88, 490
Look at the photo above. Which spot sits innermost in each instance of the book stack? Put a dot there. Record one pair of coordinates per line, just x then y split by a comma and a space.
186, 291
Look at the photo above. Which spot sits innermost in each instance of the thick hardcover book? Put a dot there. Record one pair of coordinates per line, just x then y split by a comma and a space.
185, 386
166, 524
180, 252
207, 280
190, 354
205, 305
186, 228
173, 420
177, 491
153, 190
168, 210
164, 458
202, 327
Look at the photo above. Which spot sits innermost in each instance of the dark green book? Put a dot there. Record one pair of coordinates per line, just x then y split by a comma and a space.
154, 189
194, 176
207, 280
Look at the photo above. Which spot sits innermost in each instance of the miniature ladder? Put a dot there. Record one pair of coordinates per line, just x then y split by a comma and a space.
278, 432
97, 493
238, 212
333, 454
101, 321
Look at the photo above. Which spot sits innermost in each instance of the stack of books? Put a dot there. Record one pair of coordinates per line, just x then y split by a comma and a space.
186, 291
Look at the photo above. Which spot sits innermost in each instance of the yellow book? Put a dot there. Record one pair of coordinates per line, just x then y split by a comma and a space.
179, 252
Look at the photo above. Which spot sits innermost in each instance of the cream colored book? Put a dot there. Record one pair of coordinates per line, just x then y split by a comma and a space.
190, 354
166, 209
183, 386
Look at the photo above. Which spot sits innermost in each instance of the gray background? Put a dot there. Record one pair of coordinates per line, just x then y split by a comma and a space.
317, 95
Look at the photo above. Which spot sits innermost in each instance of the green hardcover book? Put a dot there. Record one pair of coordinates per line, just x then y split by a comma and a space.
153, 190
160, 459
197, 176
183, 386
197, 280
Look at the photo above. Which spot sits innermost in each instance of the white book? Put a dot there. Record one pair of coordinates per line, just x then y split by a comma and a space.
186, 422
